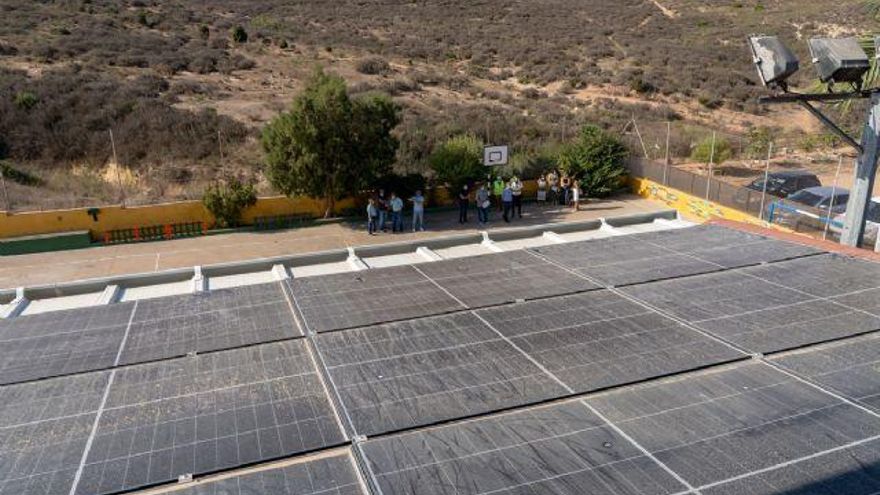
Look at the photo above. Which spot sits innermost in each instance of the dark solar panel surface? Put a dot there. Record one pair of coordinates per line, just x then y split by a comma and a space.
561, 449
755, 314
347, 300
850, 367
623, 260
503, 277
333, 475
726, 247
200, 414
414, 373
61, 342
174, 326
466, 384
726, 425
599, 339
44, 427
822, 276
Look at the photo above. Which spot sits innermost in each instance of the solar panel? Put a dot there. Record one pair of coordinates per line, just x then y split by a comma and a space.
174, 326
851, 471
865, 300
561, 449
752, 313
730, 425
503, 277
347, 300
624, 260
599, 339
420, 372
850, 367
44, 427
326, 475
214, 411
61, 342
823, 276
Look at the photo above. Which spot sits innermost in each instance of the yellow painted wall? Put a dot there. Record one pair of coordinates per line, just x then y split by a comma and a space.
117, 217
688, 205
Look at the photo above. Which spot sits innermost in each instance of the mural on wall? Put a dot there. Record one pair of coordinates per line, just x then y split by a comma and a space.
690, 205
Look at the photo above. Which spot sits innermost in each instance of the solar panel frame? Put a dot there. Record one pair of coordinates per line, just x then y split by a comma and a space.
560, 449
624, 260
201, 414
499, 278
829, 275
597, 340
174, 326
355, 299
850, 367
753, 313
44, 429
732, 423
332, 474
62, 342
416, 373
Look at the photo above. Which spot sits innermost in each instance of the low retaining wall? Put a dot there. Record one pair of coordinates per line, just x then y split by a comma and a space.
691, 206
107, 218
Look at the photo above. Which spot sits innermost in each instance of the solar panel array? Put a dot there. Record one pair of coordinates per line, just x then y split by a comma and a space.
700, 360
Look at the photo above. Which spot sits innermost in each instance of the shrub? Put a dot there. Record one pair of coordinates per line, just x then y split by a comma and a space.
403, 185
239, 35
227, 201
458, 161
18, 176
596, 159
702, 152
373, 66
26, 100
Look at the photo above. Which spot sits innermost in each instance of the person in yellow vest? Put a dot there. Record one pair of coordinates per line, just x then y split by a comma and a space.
497, 190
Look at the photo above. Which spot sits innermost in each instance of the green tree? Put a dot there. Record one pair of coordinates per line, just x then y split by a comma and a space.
329, 145
597, 159
704, 152
227, 201
458, 161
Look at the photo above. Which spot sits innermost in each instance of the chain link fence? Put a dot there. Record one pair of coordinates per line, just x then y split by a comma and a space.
817, 222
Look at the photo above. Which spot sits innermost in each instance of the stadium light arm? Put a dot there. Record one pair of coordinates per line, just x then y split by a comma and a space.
837, 61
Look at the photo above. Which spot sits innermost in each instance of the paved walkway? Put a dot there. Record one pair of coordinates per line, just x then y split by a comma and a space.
64, 266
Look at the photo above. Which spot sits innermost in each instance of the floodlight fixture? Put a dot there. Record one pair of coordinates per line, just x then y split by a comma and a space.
775, 62
839, 60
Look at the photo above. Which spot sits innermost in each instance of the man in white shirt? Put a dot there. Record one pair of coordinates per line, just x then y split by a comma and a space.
418, 202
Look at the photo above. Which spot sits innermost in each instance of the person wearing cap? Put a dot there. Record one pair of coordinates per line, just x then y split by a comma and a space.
497, 189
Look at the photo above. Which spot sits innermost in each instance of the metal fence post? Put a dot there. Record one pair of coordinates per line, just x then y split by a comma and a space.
833, 193
766, 176
711, 160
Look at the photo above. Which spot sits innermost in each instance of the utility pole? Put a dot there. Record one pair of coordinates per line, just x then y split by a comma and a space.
709, 173
116, 166
766, 178
5, 192
666, 160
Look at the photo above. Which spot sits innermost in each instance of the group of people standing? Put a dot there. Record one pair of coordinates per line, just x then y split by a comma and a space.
382, 207
506, 196
554, 188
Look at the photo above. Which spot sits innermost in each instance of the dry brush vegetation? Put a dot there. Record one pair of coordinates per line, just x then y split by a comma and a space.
517, 71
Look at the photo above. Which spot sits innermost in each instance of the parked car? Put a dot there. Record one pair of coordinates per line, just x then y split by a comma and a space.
808, 207
872, 222
785, 183
779, 185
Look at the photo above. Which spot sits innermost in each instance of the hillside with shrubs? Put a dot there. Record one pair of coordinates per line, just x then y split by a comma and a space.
147, 100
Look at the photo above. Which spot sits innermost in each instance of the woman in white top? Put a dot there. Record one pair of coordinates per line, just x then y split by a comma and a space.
576, 195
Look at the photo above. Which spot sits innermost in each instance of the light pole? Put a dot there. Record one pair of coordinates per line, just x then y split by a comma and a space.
838, 61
